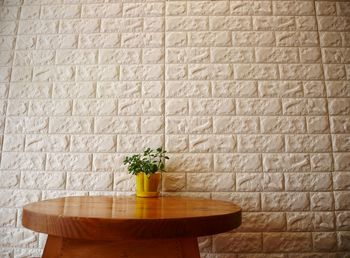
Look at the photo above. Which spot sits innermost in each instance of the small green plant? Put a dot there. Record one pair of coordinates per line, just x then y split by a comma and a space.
149, 162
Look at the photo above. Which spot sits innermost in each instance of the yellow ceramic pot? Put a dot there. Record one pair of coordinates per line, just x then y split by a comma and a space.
147, 185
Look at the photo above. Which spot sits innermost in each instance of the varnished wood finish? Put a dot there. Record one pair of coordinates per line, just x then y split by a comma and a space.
128, 227
116, 218
158, 248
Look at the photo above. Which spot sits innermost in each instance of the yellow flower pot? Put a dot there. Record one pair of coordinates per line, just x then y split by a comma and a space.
147, 185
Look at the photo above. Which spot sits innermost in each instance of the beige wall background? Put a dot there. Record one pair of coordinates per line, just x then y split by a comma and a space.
251, 99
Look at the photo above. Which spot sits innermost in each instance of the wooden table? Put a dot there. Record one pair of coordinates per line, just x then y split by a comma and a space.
128, 227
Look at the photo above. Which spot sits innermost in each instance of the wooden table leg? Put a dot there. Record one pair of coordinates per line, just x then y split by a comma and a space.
155, 248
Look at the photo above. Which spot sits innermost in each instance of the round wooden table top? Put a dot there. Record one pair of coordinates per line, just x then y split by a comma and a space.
113, 218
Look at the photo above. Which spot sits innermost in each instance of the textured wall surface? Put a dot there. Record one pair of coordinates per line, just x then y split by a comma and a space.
250, 97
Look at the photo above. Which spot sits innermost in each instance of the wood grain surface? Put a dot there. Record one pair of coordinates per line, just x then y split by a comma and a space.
120, 218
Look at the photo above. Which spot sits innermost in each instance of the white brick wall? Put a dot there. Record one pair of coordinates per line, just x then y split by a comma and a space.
251, 98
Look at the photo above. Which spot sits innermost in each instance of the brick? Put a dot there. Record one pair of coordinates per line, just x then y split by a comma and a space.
283, 124
180, 125
240, 89
60, 11
187, 55
287, 242
208, 143
47, 143
211, 107
258, 107
10, 180
95, 107
187, 89
330, 39
238, 162
325, 8
236, 125
341, 181
80, 26
248, 201
76, 57
195, 23
321, 162
250, 39
91, 143
250, 8
324, 241
204, 8
7, 42
279, 23
297, 71
89, 181
298, 38
343, 241
206, 38
213, 71
136, 143
100, 73
275, 89
256, 71
69, 90
153, 89
260, 143
150, 39
17, 198
223, 182
176, 107
27, 125
321, 201
285, 201
276, 55
53, 73
190, 163
176, 8
308, 143
263, 221
343, 220
30, 12
102, 10
43, 180
176, 39
110, 40
286, 162
310, 55
117, 125
232, 55
237, 242
107, 162
38, 27
329, 23
340, 124
314, 89
152, 124
71, 125
50, 108
317, 124
176, 143
69, 162
308, 182
153, 24
8, 217
230, 23
306, 23
119, 89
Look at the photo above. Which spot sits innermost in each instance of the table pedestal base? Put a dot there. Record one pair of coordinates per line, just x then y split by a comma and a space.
155, 248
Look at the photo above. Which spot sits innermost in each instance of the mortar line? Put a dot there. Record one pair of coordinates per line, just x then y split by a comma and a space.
329, 125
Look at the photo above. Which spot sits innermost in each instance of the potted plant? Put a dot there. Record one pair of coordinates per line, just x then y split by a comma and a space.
147, 168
